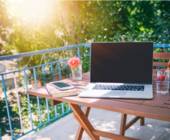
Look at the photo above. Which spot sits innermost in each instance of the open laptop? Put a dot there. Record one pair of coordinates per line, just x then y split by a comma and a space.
120, 70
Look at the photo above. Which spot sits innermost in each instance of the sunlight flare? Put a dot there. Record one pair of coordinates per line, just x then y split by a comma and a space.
31, 12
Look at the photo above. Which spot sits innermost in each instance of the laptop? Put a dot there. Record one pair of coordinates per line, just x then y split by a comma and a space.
120, 70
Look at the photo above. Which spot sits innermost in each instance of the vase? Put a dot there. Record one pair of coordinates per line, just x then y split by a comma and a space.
77, 73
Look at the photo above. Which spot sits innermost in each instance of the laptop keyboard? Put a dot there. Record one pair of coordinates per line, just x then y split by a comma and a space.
120, 87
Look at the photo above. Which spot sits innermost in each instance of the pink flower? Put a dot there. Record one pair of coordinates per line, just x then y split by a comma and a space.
74, 62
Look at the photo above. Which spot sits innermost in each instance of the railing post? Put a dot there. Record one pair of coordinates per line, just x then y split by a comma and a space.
62, 108
78, 52
53, 78
18, 103
28, 97
52, 71
59, 71
47, 107
7, 106
38, 100
46, 100
43, 74
55, 111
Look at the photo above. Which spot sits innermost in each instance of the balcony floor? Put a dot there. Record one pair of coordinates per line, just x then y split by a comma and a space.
65, 128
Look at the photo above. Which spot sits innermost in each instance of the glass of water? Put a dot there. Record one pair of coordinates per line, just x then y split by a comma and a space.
162, 83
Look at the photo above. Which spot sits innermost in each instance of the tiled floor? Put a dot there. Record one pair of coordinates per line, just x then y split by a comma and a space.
65, 129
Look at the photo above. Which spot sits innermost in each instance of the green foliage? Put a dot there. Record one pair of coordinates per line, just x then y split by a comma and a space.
4, 126
84, 21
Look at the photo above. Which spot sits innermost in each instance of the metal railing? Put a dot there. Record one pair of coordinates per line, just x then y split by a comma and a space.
25, 113
22, 113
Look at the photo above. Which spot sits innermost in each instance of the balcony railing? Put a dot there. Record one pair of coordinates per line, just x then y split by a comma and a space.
21, 113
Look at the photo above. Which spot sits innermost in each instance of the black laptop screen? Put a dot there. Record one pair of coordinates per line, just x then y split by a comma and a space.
122, 62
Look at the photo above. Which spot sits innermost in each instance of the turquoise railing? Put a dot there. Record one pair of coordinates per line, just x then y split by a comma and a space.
29, 113
32, 113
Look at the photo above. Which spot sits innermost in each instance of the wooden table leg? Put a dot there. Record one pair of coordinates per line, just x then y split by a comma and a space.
123, 124
83, 121
142, 121
80, 129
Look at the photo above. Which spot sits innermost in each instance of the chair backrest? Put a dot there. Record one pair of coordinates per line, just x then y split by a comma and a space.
160, 60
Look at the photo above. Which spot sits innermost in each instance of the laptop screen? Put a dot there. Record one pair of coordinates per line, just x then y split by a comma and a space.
122, 62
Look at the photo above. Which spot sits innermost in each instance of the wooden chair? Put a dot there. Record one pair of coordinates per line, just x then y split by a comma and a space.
160, 60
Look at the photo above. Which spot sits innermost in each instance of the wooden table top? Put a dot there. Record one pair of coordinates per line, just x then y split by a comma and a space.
157, 108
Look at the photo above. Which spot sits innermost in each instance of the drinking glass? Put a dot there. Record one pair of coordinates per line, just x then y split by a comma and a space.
162, 83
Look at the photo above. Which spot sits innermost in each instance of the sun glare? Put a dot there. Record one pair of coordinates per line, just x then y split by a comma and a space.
31, 12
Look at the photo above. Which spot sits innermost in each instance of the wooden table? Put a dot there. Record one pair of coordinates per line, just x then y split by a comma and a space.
158, 108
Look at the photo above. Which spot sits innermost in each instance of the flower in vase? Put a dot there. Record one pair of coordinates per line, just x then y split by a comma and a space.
74, 62
76, 69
